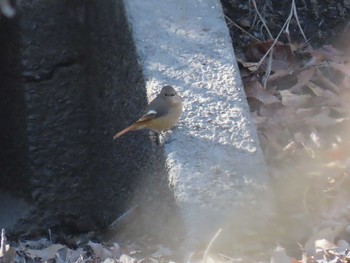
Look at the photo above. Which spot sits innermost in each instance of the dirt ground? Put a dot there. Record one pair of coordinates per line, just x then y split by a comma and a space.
307, 203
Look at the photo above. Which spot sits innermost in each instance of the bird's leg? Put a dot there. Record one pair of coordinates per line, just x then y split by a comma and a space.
158, 140
161, 134
155, 137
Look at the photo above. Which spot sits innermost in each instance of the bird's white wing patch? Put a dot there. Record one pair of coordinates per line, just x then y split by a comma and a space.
150, 112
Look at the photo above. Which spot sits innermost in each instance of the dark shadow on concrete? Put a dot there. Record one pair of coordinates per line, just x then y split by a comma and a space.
13, 155
81, 83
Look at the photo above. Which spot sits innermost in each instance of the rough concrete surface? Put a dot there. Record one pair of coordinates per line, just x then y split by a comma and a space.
13, 166
71, 80
215, 164
12, 209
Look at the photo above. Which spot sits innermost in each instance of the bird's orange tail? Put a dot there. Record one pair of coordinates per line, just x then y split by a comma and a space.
132, 127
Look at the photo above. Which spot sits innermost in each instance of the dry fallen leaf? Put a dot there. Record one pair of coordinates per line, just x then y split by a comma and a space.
44, 254
36, 244
252, 66
279, 74
254, 52
68, 255
318, 91
332, 54
100, 251
294, 100
344, 68
331, 99
323, 120
321, 238
303, 78
127, 259
255, 90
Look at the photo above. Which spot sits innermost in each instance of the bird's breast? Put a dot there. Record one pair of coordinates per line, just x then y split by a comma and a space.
167, 121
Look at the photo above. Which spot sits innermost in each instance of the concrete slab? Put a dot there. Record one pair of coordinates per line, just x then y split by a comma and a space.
216, 167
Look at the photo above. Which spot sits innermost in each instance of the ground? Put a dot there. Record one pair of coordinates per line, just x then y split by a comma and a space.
312, 201
303, 132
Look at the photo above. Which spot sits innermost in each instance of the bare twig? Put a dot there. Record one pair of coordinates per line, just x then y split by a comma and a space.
268, 69
297, 19
3, 243
123, 219
262, 19
295, 13
272, 46
275, 41
284, 28
287, 26
205, 257
288, 23
242, 29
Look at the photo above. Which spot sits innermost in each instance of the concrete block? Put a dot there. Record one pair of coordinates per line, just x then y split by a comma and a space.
215, 164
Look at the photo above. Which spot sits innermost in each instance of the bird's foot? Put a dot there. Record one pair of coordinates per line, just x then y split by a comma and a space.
160, 139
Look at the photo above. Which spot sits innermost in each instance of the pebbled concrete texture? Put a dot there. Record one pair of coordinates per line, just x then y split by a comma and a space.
67, 67
214, 161
12, 209
71, 80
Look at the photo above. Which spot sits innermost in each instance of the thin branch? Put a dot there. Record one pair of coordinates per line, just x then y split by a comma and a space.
297, 19
275, 41
205, 257
262, 19
3, 243
243, 30
268, 69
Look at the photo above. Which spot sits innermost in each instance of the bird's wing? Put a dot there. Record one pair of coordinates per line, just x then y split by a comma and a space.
155, 109
151, 114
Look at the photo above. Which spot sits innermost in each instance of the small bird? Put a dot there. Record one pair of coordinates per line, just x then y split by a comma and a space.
160, 115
